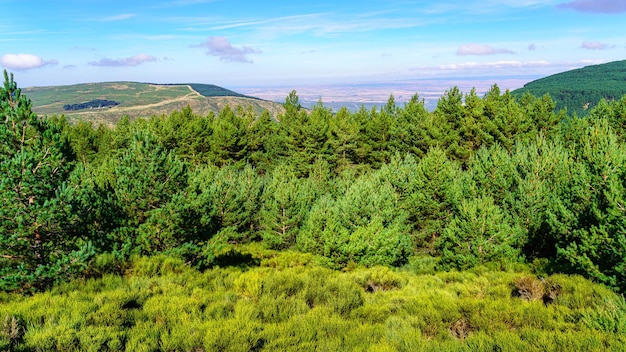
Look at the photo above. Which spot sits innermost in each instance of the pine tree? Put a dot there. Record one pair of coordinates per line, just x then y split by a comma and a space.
540, 112
448, 118
145, 178
542, 168
286, 203
412, 131
264, 145
504, 118
37, 245
432, 192
234, 197
379, 129
472, 126
615, 112
590, 217
229, 141
364, 225
344, 135
306, 136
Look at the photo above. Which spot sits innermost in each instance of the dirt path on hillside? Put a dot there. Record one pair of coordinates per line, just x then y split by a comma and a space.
193, 95
161, 103
195, 91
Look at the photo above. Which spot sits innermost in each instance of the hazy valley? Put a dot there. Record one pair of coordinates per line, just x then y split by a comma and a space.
354, 95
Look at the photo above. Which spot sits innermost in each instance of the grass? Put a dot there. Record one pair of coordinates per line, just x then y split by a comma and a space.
289, 302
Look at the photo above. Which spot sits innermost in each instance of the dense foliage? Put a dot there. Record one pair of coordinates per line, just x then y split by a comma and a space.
92, 104
492, 181
581, 89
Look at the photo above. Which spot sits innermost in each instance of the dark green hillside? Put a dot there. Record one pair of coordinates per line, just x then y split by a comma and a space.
210, 90
581, 89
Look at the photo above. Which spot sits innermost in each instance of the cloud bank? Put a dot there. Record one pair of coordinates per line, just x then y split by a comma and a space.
221, 47
125, 62
480, 49
494, 65
597, 6
23, 62
509, 67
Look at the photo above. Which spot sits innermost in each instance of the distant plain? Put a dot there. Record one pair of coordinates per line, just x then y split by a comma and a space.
353, 95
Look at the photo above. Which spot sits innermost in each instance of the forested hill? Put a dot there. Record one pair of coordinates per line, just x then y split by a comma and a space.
138, 100
581, 89
210, 90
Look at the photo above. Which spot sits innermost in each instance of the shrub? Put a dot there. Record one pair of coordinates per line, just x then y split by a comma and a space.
379, 278
529, 288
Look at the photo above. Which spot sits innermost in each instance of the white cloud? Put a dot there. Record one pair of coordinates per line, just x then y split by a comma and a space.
221, 47
496, 64
125, 62
480, 49
509, 67
594, 45
23, 62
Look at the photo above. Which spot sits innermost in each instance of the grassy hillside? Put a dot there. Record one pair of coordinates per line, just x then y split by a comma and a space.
581, 89
140, 99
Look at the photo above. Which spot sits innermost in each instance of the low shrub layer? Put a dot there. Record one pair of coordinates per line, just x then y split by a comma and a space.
289, 303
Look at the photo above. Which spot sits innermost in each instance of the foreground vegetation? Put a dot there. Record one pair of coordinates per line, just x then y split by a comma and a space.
491, 223
284, 301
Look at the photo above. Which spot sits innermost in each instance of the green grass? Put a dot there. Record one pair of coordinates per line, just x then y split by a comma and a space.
289, 302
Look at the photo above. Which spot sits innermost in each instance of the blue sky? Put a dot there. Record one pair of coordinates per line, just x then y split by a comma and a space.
265, 43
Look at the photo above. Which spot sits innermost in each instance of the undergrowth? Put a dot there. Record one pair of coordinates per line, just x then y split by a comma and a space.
291, 302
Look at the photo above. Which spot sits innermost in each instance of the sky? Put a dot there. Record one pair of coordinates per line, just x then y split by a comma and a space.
268, 43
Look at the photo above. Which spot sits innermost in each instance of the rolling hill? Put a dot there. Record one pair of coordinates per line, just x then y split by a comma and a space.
581, 89
137, 100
